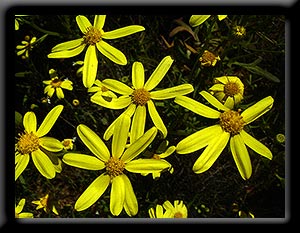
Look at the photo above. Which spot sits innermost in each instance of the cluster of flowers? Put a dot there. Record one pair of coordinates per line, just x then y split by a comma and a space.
128, 131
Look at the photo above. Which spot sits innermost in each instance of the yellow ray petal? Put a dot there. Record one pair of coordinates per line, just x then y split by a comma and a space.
138, 123
90, 67
117, 195
213, 101
124, 31
21, 165
29, 122
59, 93
83, 161
83, 23
67, 53
157, 121
99, 21
43, 164
130, 203
117, 86
172, 92
138, 75
115, 103
146, 165
111, 53
68, 45
51, 144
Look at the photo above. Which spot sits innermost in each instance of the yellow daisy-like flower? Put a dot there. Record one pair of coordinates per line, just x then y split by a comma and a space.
102, 90
115, 166
196, 20
239, 31
26, 46
44, 203
209, 59
93, 37
229, 90
56, 84
33, 142
19, 209
230, 128
139, 96
178, 210
68, 143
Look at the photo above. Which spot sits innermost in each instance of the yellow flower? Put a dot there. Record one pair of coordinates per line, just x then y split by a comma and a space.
115, 165
196, 20
45, 204
100, 89
230, 128
93, 37
56, 84
178, 210
26, 46
239, 31
139, 96
209, 59
68, 143
19, 208
34, 142
229, 90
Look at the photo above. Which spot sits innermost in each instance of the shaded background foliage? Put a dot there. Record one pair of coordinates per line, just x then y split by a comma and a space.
217, 193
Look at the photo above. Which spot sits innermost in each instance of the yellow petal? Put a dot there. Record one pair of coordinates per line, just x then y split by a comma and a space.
21, 165
117, 86
51, 144
29, 122
99, 21
158, 74
146, 165
49, 120
221, 17
59, 93
172, 92
93, 192
67, 53
130, 202
158, 122
117, 195
138, 75
83, 161
111, 53
211, 153
256, 145
83, 23
138, 123
124, 31
43, 164
241, 156
213, 101
90, 67
93, 142
68, 45
20, 206
197, 107
196, 20
115, 103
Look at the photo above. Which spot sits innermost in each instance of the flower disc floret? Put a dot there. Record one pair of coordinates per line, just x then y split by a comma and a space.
114, 167
140, 96
231, 122
93, 35
28, 142
231, 89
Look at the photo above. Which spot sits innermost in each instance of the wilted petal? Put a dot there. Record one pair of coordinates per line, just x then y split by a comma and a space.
29, 122
43, 164
83, 161
124, 31
172, 92
117, 195
93, 192
111, 53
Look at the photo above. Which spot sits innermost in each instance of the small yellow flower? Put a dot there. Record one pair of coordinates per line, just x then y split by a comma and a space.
26, 47
56, 84
68, 143
239, 31
19, 208
229, 90
114, 165
196, 20
100, 89
34, 142
209, 59
178, 210
45, 204
230, 128
93, 38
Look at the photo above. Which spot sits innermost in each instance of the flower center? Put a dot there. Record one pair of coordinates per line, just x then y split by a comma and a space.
208, 58
104, 89
231, 89
55, 82
178, 215
28, 142
92, 36
114, 167
232, 122
140, 96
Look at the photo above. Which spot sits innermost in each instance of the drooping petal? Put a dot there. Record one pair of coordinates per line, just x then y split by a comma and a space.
130, 202
21, 165
157, 121
29, 122
67, 53
197, 107
121, 32
90, 67
83, 23
198, 140
196, 20
99, 21
83, 161
241, 156
229, 103
211, 153
139, 145
158, 74
138, 75
93, 142
51, 144
43, 164
49, 120
115, 103
138, 123
93, 192
213, 101
120, 136
117, 195
146, 165
256, 145
111, 53
257, 110
172, 92
117, 86
68, 45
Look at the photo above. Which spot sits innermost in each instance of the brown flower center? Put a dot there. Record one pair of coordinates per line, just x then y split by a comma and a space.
208, 58
28, 143
55, 82
114, 167
140, 96
231, 89
178, 215
92, 36
232, 122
